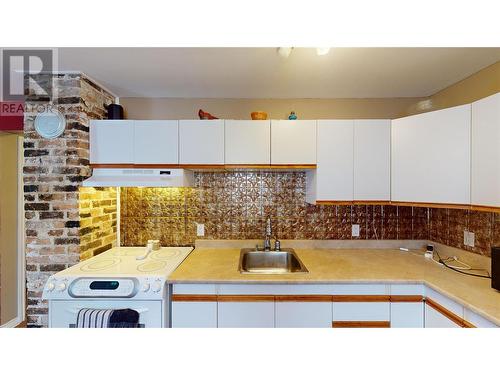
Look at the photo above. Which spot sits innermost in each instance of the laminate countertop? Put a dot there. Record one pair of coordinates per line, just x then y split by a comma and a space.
330, 266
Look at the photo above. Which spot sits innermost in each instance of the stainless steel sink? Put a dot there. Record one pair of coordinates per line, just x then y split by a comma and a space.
270, 262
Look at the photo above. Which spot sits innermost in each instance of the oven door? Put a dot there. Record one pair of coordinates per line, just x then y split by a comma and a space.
63, 313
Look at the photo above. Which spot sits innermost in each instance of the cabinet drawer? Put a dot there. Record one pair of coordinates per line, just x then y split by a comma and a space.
303, 314
361, 311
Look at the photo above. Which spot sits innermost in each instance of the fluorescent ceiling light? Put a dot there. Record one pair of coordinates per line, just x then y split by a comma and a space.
285, 51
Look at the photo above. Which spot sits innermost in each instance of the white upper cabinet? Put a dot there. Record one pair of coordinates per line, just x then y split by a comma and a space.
201, 141
372, 160
112, 142
156, 142
293, 142
247, 142
431, 157
485, 189
334, 173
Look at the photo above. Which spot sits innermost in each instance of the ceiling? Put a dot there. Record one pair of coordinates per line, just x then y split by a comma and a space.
263, 73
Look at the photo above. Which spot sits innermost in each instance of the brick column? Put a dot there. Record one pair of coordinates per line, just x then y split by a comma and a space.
53, 172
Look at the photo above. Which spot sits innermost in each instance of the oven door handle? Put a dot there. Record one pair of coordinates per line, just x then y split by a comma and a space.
76, 309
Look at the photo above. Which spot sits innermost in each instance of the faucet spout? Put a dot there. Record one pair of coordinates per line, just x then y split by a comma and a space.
267, 239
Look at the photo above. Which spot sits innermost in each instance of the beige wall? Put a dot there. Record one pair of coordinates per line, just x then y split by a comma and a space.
178, 108
479, 85
8, 226
484, 83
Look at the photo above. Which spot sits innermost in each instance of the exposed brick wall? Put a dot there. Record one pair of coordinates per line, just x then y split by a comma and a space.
53, 172
97, 220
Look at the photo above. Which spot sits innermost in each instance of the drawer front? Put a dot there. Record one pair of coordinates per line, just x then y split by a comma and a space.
361, 311
245, 315
289, 289
407, 289
195, 289
361, 289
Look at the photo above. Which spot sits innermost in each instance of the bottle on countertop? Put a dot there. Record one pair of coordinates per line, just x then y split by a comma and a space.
292, 116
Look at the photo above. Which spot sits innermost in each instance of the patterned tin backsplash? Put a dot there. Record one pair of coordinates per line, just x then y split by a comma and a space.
235, 205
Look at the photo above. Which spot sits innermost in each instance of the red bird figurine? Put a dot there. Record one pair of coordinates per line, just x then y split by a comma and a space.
206, 116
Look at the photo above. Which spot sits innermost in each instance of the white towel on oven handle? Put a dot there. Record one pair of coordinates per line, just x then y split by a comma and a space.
93, 318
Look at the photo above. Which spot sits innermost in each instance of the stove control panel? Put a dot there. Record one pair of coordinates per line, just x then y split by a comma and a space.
91, 287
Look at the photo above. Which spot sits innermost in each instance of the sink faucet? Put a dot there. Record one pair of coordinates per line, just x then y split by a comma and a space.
267, 239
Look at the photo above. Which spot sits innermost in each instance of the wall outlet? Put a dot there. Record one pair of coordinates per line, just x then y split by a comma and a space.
355, 230
200, 230
469, 238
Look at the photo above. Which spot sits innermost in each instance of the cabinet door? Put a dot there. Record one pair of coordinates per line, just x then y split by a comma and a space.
247, 142
112, 142
478, 321
293, 142
407, 314
246, 314
303, 314
334, 173
156, 142
434, 319
372, 160
201, 142
431, 157
485, 189
194, 314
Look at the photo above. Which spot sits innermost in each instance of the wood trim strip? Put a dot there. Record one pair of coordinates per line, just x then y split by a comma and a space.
205, 166
245, 298
432, 205
336, 203
361, 298
361, 324
194, 298
450, 315
485, 208
304, 298
406, 298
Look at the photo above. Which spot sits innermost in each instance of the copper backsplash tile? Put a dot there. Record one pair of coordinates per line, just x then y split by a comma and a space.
234, 205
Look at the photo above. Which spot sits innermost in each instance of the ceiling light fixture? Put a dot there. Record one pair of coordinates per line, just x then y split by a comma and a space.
321, 51
285, 51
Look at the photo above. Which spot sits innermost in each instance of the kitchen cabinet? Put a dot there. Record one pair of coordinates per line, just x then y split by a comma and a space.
485, 189
111, 142
156, 142
434, 319
407, 314
194, 314
353, 162
293, 142
372, 160
334, 172
238, 314
247, 142
303, 314
431, 157
361, 314
201, 142
477, 321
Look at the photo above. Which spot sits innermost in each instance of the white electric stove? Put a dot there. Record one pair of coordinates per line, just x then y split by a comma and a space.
116, 279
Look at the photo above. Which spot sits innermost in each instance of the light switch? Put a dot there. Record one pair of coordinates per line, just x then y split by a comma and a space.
355, 230
200, 230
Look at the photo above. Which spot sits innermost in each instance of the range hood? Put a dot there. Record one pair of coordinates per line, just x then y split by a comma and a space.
109, 177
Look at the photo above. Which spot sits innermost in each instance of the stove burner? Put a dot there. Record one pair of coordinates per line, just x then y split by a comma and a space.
151, 266
165, 254
101, 264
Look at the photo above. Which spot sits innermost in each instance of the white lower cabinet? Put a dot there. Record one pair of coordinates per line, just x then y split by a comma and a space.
318, 306
245, 314
407, 314
434, 319
194, 314
303, 314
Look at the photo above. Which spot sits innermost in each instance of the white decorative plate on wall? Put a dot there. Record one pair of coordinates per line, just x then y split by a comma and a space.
50, 124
